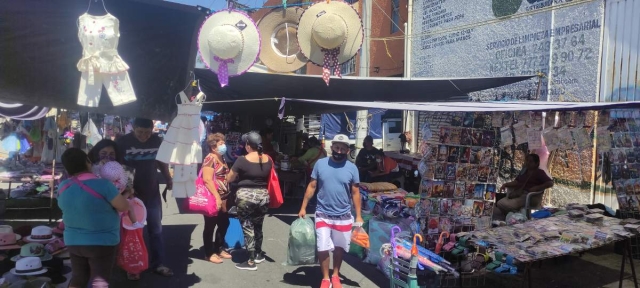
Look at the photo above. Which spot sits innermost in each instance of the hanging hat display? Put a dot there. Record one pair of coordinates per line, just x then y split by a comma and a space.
329, 34
229, 43
279, 49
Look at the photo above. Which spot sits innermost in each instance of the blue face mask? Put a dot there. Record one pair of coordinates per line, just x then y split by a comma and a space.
222, 149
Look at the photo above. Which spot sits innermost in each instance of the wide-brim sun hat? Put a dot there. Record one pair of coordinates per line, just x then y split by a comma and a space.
329, 34
229, 43
279, 50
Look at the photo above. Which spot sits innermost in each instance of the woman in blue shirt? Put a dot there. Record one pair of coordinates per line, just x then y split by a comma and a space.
90, 209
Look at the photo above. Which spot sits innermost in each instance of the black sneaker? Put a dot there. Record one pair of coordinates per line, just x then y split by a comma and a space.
259, 258
246, 266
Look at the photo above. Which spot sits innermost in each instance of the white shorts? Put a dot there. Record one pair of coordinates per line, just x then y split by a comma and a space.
333, 231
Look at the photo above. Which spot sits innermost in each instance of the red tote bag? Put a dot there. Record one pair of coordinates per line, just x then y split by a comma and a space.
132, 253
275, 194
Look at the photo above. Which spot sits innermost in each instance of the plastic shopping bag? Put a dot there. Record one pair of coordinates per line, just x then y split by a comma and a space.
360, 237
234, 239
132, 253
515, 218
302, 242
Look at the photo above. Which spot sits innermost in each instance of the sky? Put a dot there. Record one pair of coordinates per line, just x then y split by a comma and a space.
216, 5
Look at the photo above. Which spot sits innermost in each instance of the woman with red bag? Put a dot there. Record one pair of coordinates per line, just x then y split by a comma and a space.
214, 173
253, 173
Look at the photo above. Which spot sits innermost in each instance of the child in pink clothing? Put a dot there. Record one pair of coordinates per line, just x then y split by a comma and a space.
115, 173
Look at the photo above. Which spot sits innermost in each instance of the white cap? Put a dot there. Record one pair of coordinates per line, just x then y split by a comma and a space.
341, 138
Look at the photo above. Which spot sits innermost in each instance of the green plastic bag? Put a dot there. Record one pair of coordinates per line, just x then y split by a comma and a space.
302, 243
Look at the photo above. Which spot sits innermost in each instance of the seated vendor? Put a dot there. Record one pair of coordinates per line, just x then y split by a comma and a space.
533, 179
313, 154
366, 159
388, 169
268, 146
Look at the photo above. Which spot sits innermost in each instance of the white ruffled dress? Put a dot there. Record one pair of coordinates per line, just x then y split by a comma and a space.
181, 146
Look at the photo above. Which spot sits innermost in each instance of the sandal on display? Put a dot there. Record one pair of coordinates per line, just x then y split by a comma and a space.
460, 247
451, 244
477, 262
507, 267
497, 261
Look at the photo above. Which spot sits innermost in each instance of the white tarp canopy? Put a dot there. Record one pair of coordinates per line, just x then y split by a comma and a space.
479, 106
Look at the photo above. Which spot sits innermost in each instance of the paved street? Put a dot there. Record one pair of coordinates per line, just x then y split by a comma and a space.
183, 240
183, 236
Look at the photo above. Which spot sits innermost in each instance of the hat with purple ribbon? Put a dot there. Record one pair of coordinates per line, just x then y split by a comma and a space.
229, 43
329, 34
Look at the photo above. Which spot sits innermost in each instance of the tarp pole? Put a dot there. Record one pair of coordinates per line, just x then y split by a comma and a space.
361, 116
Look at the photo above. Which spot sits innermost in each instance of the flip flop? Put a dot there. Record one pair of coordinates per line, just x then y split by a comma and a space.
164, 271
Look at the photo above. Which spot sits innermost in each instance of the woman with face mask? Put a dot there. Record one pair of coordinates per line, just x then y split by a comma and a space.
214, 172
104, 151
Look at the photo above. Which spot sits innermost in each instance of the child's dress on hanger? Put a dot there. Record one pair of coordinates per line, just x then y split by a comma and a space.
181, 146
101, 64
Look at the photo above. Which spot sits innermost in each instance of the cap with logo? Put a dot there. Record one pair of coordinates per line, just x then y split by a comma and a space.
341, 138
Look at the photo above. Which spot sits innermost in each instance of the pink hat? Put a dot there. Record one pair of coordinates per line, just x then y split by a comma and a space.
59, 229
115, 173
139, 209
8, 239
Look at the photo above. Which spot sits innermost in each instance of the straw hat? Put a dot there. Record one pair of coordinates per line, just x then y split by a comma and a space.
28, 266
33, 250
229, 43
333, 25
280, 51
40, 234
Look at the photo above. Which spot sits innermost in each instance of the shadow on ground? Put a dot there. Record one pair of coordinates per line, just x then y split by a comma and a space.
178, 251
309, 276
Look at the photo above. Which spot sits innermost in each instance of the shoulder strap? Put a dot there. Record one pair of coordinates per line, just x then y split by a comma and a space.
74, 180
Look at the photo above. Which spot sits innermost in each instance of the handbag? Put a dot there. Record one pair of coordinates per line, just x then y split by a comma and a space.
203, 202
275, 194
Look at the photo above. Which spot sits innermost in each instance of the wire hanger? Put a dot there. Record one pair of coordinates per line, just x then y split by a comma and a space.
190, 83
204, 96
103, 6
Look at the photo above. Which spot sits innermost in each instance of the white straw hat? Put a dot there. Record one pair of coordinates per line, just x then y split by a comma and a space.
40, 234
229, 43
28, 266
327, 29
280, 51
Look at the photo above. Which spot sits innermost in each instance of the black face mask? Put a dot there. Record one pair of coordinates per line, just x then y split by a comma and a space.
338, 156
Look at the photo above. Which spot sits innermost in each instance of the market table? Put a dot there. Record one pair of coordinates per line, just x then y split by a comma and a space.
405, 161
534, 241
29, 177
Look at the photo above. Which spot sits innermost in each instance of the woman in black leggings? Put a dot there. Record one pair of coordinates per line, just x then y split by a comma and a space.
214, 173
